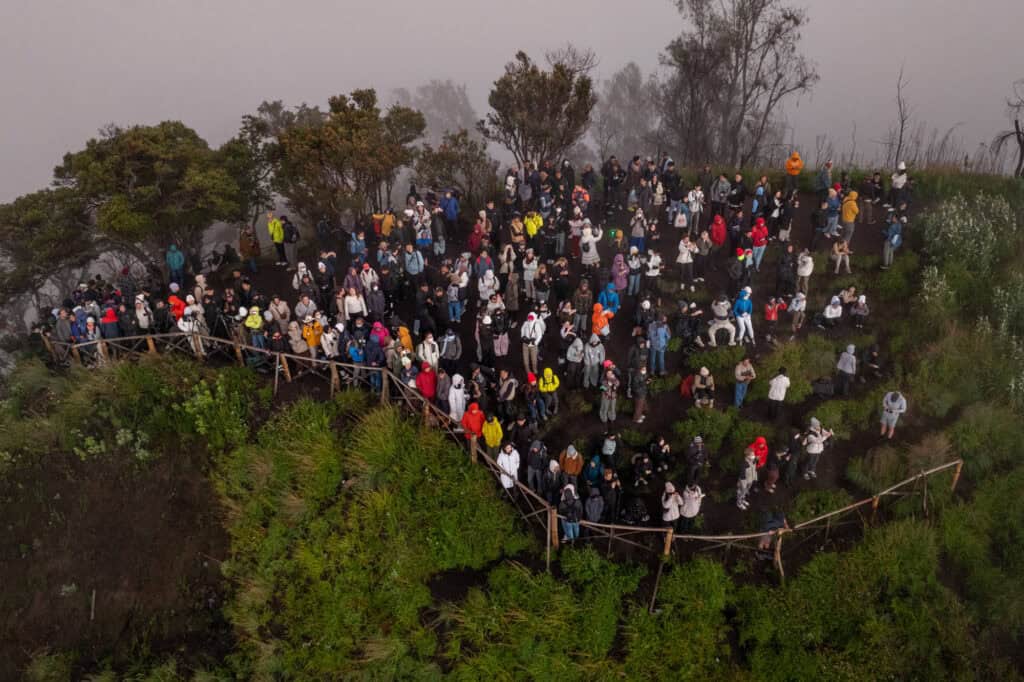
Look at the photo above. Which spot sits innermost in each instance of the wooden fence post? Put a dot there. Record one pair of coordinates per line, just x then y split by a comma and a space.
778, 556
151, 344
285, 369
956, 474
547, 559
238, 352
335, 379
101, 347
473, 449
277, 371
553, 525
76, 355
874, 507
668, 541
384, 386
49, 346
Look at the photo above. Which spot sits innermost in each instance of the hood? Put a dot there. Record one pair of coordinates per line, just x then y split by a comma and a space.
852, 196
815, 424
669, 488
598, 308
172, 247
851, 349
457, 381
571, 451
594, 339
109, 315
548, 375
610, 287
719, 220
795, 156
618, 259
302, 270
553, 465
760, 443
474, 407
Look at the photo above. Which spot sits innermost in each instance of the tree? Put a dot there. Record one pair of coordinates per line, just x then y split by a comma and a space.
148, 186
345, 159
445, 107
461, 163
625, 120
538, 115
1015, 110
729, 72
249, 158
43, 232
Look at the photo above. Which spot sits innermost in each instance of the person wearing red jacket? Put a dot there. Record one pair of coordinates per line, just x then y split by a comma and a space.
177, 307
473, 421
760, 449
759, 236
426, 382
771, 316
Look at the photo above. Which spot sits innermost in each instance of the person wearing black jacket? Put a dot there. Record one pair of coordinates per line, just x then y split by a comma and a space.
737, 194
871, 194
696, 458
571, 509
536, 466
785, 272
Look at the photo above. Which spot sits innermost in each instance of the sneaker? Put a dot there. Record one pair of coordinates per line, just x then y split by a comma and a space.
565, 540
807, 477
693, 288
814, 474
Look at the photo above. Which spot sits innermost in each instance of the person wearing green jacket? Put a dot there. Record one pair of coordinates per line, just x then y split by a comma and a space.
276, 230
175, 264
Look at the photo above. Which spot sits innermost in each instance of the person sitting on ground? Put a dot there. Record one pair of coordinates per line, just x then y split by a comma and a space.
704, 388
643, 469
833, 313
859, 312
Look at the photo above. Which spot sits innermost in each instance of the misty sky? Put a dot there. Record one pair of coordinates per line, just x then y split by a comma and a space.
69, 67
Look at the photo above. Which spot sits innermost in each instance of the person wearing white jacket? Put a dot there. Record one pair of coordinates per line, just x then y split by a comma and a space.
777, 388
692, 496
671, 506
457, 399
428, 351
531, 333
508, 463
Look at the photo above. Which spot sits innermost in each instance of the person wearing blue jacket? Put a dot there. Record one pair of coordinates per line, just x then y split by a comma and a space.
742, 310
609, 298
450, 206
659, 335
175, 263
893, 240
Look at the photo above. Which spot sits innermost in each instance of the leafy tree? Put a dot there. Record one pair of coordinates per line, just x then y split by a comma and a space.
445, 107
539, 114
625, 118
249, 159
148, 186
43, 232
459, 162
729, 71
344, 159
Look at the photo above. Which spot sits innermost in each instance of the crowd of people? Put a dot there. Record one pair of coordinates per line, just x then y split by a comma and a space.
580, 289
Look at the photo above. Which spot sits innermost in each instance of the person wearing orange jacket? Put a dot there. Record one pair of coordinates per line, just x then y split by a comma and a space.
794, 165
473, 421
600, 320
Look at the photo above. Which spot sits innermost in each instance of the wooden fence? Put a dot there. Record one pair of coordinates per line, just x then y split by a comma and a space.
533, 508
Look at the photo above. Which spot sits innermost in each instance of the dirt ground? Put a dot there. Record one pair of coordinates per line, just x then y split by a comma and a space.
146, 543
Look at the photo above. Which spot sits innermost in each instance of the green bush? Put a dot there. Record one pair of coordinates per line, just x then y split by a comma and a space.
879, 608
712, 425
687, 635
805, 361
845, 417
810, 504
987, 437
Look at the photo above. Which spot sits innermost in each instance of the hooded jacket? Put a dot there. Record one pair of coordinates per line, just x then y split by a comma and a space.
760, 449
718, 231
457, 398
850, 208
609, 298
472, 420
570, 461
508, 462
548, 382
492, 433
600, 317
794, 164
593, 352
743, 306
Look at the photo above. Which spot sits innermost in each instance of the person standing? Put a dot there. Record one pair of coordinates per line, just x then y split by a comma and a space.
291, 243
814, 444
276, 230
894, 404
671, 506
609, 397
746, 480
893, 239
850, 211
777, 388
508, 463
696, 458
659, 335
532, 332
804, 270
846, 370
493, 434
571, 510
690, 508
640, 388
744, 375
794, 165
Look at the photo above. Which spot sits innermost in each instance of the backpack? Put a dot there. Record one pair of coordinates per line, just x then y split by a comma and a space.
896, 240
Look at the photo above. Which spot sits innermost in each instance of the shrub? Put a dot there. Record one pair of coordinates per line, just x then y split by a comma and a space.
687, 635
805, 361
973, 230
810, 504
712, 425
987, 437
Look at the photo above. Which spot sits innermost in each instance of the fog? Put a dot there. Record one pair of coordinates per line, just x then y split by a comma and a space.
68, 68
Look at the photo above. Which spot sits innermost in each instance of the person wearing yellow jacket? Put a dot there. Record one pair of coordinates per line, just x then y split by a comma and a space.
254, 325
312, 330
849, 212
533, 222
548, 385
794, 166
492, 435
276, 230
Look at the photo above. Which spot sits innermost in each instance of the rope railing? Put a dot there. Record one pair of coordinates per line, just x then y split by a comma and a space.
533, 509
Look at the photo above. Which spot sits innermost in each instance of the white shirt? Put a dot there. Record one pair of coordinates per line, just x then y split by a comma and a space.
777, 387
